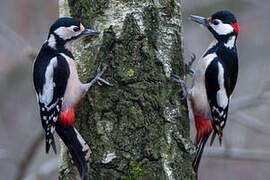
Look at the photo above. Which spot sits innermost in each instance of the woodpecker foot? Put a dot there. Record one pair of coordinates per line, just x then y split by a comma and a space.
193, 150
182, 84
100, 81
189, 65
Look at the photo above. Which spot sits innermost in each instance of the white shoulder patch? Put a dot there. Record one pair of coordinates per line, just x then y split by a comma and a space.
222, 99
209, 58
47, 91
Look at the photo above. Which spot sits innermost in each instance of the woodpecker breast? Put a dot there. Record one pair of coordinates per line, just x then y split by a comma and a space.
74, 91
198, 90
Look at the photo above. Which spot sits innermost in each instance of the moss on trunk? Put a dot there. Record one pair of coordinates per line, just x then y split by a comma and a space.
137, 129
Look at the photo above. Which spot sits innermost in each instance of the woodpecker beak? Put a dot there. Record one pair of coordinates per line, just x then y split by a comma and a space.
90, 32
201, 20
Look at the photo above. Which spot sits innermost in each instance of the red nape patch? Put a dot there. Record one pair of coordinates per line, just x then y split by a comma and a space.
67, 118
236, 28
203, 126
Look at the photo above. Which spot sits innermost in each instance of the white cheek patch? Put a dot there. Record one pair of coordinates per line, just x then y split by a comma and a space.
66, 32
222, 29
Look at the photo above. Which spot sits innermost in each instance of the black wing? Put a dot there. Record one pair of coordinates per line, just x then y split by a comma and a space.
217, 83
50, 80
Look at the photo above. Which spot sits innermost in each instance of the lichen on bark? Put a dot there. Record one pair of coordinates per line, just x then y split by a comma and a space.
137, 129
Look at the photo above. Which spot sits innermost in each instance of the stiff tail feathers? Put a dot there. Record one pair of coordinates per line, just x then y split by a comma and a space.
200, 147
217, 131
79, 150
50, 140
213, 138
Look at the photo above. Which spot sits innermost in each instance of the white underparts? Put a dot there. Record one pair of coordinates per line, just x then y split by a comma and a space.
222, 99
198, 90
230, 43
74, 89
47, 91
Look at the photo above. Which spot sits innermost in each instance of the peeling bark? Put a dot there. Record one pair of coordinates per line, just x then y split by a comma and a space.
137, 129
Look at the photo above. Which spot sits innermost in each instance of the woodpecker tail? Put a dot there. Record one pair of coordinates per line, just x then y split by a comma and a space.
200, 147
213, 138
217, 131
50, 139
79, 150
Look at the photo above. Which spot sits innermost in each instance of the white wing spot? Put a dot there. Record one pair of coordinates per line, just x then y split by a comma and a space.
52, 129
55, 118
57, 107
221, 123
221, 113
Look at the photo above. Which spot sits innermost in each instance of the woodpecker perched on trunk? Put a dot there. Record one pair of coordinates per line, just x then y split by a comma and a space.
59, 89
214, 79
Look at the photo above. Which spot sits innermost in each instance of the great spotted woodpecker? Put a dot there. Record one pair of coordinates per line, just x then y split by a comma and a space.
59, 89
214, 79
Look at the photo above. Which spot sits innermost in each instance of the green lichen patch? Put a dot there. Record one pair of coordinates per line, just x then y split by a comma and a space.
136, 172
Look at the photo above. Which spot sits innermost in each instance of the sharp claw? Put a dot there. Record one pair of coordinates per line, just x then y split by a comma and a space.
98, 78
99, 83
189, 65
193, 150
182, 84
193, 58
98, 69
102, 81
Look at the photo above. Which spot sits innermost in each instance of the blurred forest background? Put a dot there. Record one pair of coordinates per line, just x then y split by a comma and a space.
245, 153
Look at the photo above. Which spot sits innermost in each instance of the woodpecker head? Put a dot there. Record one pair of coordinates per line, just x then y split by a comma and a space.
65, 30
222, 25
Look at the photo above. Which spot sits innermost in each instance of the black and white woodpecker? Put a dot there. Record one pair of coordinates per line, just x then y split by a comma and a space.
214, 79
59, 89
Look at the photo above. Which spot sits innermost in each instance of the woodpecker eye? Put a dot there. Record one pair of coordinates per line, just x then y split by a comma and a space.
76, 29
215, 22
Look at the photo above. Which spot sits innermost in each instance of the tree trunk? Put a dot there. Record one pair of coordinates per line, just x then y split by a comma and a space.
139, 128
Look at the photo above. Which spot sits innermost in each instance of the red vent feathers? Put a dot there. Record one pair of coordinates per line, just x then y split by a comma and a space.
67, 118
